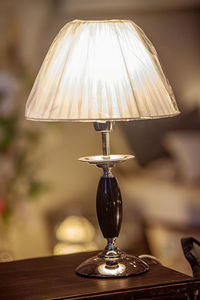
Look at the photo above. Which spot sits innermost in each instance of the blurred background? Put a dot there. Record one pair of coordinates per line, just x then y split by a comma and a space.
47, 197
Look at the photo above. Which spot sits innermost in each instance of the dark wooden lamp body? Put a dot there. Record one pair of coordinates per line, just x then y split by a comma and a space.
109, 207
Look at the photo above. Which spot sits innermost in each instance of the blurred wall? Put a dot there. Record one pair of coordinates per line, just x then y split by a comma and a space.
28, 27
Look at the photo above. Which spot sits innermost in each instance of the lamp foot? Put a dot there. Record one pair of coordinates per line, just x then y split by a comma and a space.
99, 267
112, 263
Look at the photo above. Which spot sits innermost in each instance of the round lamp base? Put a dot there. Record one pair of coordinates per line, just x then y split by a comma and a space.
105, 266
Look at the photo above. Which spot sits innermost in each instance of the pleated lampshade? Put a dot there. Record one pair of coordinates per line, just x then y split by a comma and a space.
100, 70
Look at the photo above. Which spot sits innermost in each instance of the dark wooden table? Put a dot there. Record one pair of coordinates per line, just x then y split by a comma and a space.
54, 278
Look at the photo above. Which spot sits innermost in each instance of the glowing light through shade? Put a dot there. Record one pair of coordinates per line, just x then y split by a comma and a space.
75, 234
100, 70
75, 229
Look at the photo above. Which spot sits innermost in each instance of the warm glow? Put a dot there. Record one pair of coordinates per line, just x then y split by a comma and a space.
97, 70
65, 248
75, 229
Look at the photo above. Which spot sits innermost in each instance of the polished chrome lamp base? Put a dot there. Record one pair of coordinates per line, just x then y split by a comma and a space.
112, 263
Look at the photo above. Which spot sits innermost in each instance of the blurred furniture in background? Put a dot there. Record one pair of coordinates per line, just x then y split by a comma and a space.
166, 191
146, 138
191, 249
54, 278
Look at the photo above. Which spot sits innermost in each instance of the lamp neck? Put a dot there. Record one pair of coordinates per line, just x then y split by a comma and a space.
105, 128
106, 143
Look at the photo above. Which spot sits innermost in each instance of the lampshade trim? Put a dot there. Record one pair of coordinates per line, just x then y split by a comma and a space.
111, 119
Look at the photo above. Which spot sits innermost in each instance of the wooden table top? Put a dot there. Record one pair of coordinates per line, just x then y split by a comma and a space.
54, 278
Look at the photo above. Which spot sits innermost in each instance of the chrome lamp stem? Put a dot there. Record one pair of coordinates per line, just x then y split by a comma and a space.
105, 128
111, 262
106, 143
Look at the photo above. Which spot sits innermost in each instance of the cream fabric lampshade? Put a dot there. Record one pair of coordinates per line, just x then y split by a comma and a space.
100, 70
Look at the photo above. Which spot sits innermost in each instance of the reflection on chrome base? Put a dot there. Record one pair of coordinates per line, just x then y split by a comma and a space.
112, 263
105, 269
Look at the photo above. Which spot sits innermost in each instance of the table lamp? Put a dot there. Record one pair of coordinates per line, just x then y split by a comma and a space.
103, 72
